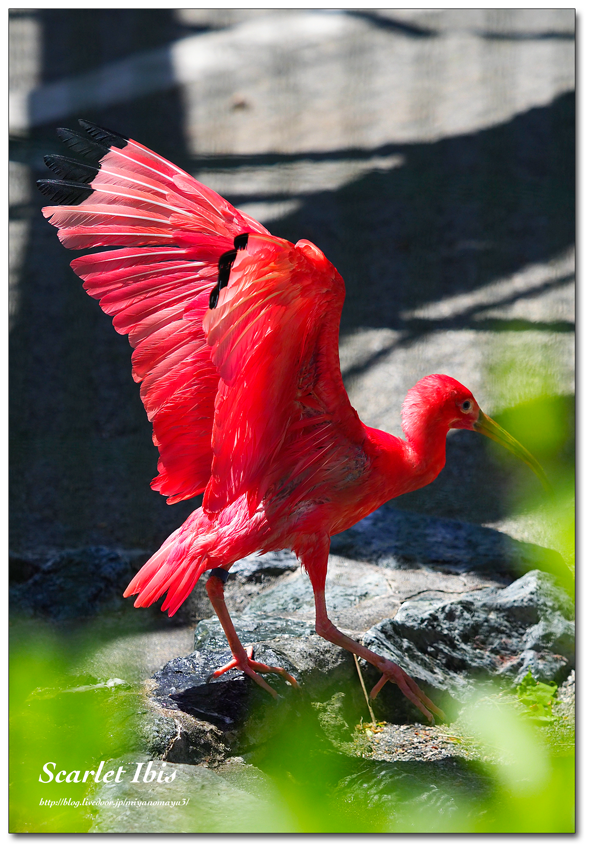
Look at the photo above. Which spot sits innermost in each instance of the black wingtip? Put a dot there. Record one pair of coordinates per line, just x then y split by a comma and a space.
226, 260
240, 242
214, 298
64, 193
82, 145
104, 135
71, 170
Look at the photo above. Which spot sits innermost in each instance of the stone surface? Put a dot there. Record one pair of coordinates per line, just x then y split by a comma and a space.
238, 799
135, 651
447, 641
175, 736
453, 643
392, 537
72, 584
256, 566
402, 795
444, 633
244, 714
295, 594
251, 629
453, 627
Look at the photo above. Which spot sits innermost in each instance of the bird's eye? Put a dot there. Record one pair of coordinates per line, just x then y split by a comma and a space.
466, 405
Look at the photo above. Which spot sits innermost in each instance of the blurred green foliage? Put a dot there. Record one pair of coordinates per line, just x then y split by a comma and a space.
538, 698
542, 418
58, 714
516, 777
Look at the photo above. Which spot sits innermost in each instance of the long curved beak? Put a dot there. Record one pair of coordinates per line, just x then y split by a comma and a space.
486, 426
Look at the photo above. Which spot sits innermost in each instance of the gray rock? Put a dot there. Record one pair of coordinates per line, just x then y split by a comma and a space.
286, 597
72, 584
245, 716
446, 640
395, 538
399, 796
251, 629
447, 644
237, 798
257, 566
176, 737
22, 568
248, 578
226, 701
295, 594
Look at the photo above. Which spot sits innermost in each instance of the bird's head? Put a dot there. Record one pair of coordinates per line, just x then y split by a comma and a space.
441, 401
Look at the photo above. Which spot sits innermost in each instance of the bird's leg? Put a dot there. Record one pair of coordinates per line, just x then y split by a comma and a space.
242, 657
389, 670
315, 561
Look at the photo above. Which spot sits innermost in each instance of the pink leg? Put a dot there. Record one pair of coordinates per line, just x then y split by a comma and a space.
242, 657
315, 561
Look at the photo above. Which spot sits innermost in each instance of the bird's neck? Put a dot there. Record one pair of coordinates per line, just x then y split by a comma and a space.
406, 465
427, 446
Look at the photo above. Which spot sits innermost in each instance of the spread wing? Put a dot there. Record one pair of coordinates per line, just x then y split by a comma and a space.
173, 231
283, 420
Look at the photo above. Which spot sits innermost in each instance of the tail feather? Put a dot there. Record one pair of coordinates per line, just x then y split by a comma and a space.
182, 586
150, 568
167, 570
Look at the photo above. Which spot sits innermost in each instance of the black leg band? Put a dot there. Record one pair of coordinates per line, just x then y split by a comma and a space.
223, 574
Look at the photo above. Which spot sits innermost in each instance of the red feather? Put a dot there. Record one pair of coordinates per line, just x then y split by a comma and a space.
140, 199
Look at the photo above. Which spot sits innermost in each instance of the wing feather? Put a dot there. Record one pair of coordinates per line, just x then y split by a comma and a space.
170, 231
229, 389
274, 341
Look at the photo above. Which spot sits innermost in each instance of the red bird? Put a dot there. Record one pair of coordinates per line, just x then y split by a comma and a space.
235, 337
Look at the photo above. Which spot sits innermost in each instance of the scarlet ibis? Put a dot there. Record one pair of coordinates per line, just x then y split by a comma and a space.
235, 338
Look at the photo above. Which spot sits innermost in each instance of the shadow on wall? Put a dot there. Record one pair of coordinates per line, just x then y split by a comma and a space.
81, 454
457, 214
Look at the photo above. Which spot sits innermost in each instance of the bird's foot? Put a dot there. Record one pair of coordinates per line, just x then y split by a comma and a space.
253, 668
408, 687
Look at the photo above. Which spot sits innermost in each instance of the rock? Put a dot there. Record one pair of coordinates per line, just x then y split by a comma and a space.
184, 683
449, 643
21, 568
248, 578
446, 640
359, 594
72, 584
450, 628
236, 798
295, 594
176, 737
257, 566
394, 538
402, 796
251, 629
136, 652
245, 716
